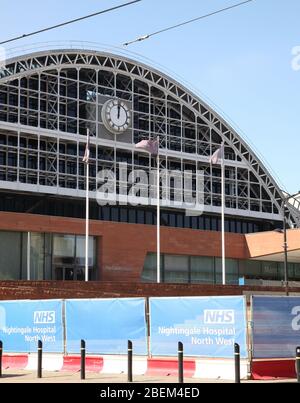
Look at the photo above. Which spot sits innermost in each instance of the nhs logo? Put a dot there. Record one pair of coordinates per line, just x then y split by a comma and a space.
219, 317
44, 317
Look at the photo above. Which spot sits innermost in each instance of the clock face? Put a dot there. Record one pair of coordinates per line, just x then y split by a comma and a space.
116, 116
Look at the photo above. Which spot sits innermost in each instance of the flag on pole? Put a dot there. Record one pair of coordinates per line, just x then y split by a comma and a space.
218, 155
86, 158
151, 146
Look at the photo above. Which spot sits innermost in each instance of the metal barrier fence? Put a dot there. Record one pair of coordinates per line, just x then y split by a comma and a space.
207, 327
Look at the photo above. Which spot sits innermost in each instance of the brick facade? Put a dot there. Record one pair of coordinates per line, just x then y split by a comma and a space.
122, 248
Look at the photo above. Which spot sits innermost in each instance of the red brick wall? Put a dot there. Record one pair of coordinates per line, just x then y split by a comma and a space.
122, 248
16, 290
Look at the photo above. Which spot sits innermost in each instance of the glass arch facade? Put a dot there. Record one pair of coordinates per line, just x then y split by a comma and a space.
48, 101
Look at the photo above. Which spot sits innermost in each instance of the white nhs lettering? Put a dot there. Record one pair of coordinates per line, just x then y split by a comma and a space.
219, 317
44, 317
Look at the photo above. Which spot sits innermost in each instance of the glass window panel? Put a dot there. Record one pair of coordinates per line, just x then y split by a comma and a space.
291, 271
149, 274
195, 224
63, 249
232, 271
24, 255
140, 217
214, 224
80, 251
37, 256
201, 223
123, 215
297, 271
179, 221
10, 255
132, 216
187, 222
245, 228
250, 269
149, 218
115, 214
270, 270
232, 226
202, 270
172, 220
207, 224
176, 269
48, 257
291, 268
238, 227
106, 213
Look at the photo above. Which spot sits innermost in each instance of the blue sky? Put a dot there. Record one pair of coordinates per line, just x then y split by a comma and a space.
240, 60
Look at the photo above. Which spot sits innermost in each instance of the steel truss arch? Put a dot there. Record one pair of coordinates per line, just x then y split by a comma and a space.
60, 59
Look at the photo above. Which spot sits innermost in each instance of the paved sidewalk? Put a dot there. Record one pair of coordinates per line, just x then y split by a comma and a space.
67, 377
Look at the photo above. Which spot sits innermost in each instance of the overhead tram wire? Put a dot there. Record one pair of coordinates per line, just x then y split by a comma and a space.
143, 38
69, 22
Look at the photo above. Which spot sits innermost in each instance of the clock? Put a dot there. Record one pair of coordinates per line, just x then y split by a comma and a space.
116, 116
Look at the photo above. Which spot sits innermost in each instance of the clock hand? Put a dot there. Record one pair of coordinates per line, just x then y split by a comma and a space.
119, 110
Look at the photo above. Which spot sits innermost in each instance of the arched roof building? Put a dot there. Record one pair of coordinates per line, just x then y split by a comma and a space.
49, 99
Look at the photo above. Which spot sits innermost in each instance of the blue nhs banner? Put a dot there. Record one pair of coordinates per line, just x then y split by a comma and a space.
106, 325
276, 326
24, 323
207, 326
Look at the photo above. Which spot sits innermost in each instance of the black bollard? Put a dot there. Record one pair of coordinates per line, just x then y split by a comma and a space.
40, 359
180, 363
82, 361
298, 363
130, 353
1, 352
237, 363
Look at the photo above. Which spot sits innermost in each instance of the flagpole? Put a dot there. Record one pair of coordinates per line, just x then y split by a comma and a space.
223, 217
158, 217
87, 214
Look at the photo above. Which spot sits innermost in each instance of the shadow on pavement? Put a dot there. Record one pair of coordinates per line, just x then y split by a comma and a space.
12, 376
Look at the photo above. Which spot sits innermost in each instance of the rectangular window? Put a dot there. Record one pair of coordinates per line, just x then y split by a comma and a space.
140, 217
270, 271
132, 216
172, 220
179, 223
176, 269
149, 273
10, 255
202, 270
187, 222
207, 224
297, 271
115, 214
80, 251
232, 271
105, 213
37, 256
69, 257
291, 271
123, 215
63, 249
245, 228
250, 269
194, 222
214, 224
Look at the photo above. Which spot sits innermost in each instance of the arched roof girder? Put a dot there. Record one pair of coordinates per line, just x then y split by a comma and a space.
59, 59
